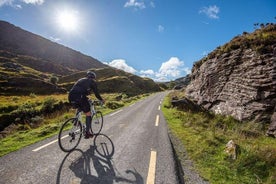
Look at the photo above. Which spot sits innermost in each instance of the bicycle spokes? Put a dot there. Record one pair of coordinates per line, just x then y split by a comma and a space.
70, 135
97, 122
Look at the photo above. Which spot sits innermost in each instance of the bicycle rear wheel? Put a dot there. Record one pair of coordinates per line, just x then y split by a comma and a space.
70, 135
97, 123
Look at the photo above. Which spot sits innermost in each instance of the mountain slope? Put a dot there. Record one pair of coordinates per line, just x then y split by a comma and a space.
112, 80
21, 42
32, 64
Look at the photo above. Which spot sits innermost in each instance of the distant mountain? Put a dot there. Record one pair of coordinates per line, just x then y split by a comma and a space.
112, 80
182, 82
18, 41
32, 64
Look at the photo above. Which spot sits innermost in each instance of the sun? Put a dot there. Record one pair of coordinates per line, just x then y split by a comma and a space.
68, 20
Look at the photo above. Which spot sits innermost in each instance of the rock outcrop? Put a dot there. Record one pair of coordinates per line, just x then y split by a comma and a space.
240, 82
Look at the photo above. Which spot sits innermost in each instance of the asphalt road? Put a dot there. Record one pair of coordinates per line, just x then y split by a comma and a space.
134, 147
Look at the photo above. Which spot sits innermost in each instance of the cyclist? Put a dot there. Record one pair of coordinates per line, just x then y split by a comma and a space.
78, 97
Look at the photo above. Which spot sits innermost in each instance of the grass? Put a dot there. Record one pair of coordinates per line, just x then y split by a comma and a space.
24, 134
205, 135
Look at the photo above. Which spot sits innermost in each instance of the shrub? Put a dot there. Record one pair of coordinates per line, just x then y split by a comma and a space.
54, 79
114, 105
37, 120
33, 95
48, 105
24, 112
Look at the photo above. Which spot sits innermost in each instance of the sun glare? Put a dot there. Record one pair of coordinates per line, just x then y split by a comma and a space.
68, 20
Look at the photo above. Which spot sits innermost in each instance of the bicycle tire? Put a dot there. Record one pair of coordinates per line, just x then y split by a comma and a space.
70, 135
97, 122
104, 146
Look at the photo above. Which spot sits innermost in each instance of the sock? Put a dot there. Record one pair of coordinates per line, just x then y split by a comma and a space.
88, 123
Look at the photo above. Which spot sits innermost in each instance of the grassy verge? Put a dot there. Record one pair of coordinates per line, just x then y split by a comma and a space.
25, 133
205, 136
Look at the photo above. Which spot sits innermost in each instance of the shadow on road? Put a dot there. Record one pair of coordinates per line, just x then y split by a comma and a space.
95, 165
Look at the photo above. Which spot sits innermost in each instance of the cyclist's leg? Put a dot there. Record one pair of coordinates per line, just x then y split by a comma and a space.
85, 106
88, 120
74, 99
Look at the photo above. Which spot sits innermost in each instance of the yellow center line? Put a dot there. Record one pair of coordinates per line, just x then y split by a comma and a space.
152, 167
157, 120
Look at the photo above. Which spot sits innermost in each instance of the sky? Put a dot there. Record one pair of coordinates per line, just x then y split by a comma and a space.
159, 39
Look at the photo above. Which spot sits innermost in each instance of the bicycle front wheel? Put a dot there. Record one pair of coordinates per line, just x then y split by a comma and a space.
97, 123
70, 135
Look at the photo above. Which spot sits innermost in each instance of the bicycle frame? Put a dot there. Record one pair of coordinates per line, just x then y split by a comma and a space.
78, 115
79, 112
92, 107
69, 140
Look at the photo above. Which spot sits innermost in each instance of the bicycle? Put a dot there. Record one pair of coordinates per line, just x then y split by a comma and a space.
74, 128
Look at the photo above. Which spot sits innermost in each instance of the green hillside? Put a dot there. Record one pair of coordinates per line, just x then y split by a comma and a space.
18, 41
30, 63
112, 80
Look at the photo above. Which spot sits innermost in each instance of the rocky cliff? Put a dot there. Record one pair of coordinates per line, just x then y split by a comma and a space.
239, 78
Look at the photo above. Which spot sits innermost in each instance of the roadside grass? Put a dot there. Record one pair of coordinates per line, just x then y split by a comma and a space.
205, 136
24, 134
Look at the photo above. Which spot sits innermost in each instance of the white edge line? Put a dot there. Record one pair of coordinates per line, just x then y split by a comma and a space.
41, 147
45, 145
115, 112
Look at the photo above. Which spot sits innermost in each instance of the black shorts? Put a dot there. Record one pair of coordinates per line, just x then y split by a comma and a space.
79, 101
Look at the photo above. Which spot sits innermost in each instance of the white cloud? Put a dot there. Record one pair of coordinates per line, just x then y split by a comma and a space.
211, 11
6, 2
135, 4
147, 73
121, 64
14, 3
187, 70
17, 6
55, 39
160, 28
152, 4
39, 2
171, 68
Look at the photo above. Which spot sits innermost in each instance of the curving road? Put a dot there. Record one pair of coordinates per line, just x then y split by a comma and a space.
134, 147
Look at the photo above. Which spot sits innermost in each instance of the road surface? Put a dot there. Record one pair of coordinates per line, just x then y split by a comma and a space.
134, 147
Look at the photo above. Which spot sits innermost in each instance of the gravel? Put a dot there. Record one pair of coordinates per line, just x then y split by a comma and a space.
186, 171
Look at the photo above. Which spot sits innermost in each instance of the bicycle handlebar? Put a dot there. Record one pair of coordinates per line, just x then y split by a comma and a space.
96, 102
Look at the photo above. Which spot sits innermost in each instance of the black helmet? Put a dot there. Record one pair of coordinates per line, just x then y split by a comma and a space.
91, 74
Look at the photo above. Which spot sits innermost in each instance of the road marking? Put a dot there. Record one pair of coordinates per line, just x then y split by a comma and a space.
41, 147
116, 112
45, 145
157, 120
159, 107
122, 125
152, 167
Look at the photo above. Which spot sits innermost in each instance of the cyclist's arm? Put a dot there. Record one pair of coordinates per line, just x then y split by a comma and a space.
96, 92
